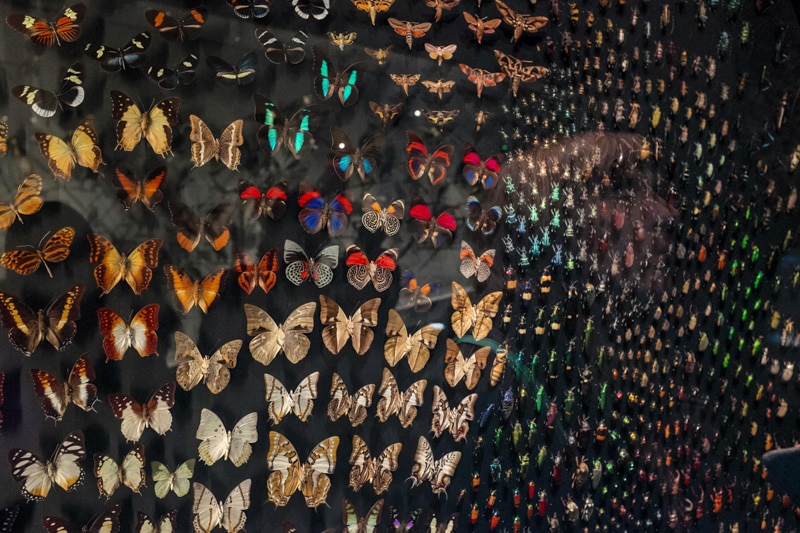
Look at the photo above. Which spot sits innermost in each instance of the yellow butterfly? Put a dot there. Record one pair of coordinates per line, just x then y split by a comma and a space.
81, 149
417, 346
477, 317
194, 367
27, 201
129, 472
155, 125
377, 470
289, 474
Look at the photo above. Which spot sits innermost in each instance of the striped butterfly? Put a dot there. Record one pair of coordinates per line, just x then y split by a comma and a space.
376, 470
105, 522
210, 512
166, 524
65, 28
367, 524
38, 475
290, 474
27, 201
283, 401
54, 250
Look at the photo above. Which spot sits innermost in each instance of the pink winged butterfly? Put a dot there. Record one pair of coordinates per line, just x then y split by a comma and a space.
439, 229
477, 170
271, 203
316, 214
421, 162
362, 270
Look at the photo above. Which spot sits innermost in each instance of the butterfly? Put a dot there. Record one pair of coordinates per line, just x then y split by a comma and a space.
194, 367
416, 295
56, 323
210, 513
480, 26
440, 6
110, 475
312, 8
225, 149
271, 203
218, 443
440, 53
63, 468
190, 293
519, 22
269, 338
45, 103
250, 8
243, 73
186, 28
289, 474
403, 526
458, 367
65, 28
264, 274
376, 217
56, 395
481, 78
155, 125
440, 117
439, 87
438, 472
477, 170
404, 404
136, 417
113, 266
409, 30
299, 401
417, 347
171, 78
106, 522
482, 220
54, 250
293, 132
277, 51
115, 59
369, 523
147, 190
177, 481
376, 470
444, 526
27, 201
439, 229
455, 420
328, 81
473, 265
373, 7
191, 228
341, 39
361, 270
381, 55
349, 159
81, 149
478, 317
405, 80
166, 524
139, 334
300, 267
316, 214
517, 71
337, 327
353, 405
421, 162
386, 113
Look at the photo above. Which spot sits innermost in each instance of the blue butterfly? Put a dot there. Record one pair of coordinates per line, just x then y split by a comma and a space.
349, 159
293, 132
329, 82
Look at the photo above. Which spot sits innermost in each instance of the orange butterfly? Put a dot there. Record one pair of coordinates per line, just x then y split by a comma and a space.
148, 190
192, 293
55, 250
140, 333
265, 274
113, 267
191, 228
27, 201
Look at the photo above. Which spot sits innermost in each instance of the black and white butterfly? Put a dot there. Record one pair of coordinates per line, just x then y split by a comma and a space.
45, 103
115, 59
243, 73
38, 475
292, 52
312, 8
171, 78
250, 8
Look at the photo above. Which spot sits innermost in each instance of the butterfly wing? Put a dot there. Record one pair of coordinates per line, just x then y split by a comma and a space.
397, 339
44, 33
215, 441
268, 338
304, 395
139, 334
279, 400
334, 325
215, 225
341, 400
441, 412
207, 510
461, 415
55, 250
250, 8
219, 365
485, 311
166, 524
420, 345
364, 319
464, 315
320, 464
455, 363
424, 463
385, 464
285, 478
317, 9
237, 502
188, 225
141, 260
243, 435
204, 145
192, 366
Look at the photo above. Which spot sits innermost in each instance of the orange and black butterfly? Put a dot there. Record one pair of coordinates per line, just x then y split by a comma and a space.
147, 190
65, 28
271, 203
191, 293
421, 162
264, 274
56, 323
191, 228
77, 389
54, 250
186, 28
27, 201
113, 266
416, 295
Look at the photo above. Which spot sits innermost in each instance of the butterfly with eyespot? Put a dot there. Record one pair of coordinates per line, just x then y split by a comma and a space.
386, 218
405, 80
81, 149
481, 77
154, 413
252, 275
353, 405
381, 55
440, 117
290, 474
316, 214
270, 338
45, 103
218, 443
438, 472
27, 201
386, 113
191, 228
349, 159
518, 71
271, 203
306, 9
206, 147
292, 52
440, 53
147, 190
477, 317
373, 7
520, 23
480, 26
139, 334
328, 81
210, 512
243, 73
171, 78
177, 481
457, 367
155, 124
342, 39
65, 28
54, 250
113, 266
190, 293
56, 323
421, 162
165, 524
131, 55
282, 401
63, 468
417, 347
409, 30
301, 267
439, 229
186, 28
105, 522
277, 130
110, 474
440, 6
77, 389
404, 404
482, 220
416, 295
455, 420
194, 367
368, 469
361, 270
337, 327
367, 524
439, 87
485, 171
472, 264
246, 9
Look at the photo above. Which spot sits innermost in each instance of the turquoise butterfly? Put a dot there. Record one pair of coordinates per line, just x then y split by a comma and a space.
329, 82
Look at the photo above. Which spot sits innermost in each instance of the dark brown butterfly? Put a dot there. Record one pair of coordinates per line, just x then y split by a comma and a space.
271, 203
147, 191
186, 28
191, 228
349, 159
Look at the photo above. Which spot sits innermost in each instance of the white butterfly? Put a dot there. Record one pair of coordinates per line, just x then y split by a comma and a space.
218, 443
135, 416
300, 401
63, 469
110, 475
426, 468
165, 525
177, 481
457, 419
210, 512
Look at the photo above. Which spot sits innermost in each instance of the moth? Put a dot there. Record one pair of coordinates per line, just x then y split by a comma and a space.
373, 7
337, 327
186, 28
210, 512
129, 56
194, 367
349, 159
147, 190
405, 80
353, 405
63, 468
477, 170
301, 267
292, 52
292, 132
481, 78
317, 9
483, 220
155, 125
479, 266
246, 9
27, 201
206, 147
45, 103
65, 28
190, 228
181, 75
437, 472
455, 420
403, 404
105, 522
165, 481
441, 6
386, 113
217, 443
165, 524
421, 162
289, 474
415, 295
190, 293
27, 261
155, 413
440, 117
282, 401
112, 266
381, 55
457, 367
480, 26
439, 87
477, 317
271, 203
417, 347
386, 218
270, 338
356, 524
316, 214
328, 81
376, 470
409, 30
111, 475
440, 53
62, 156
342, 39
361, 270
439, 230
264, 274
518, 70
242, 73
77, 389
520, 23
